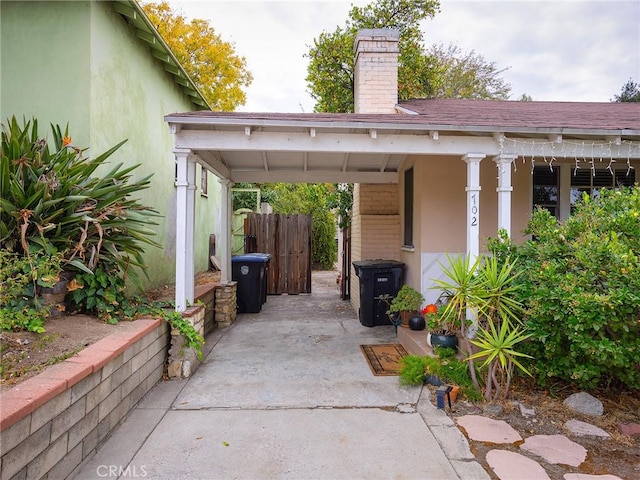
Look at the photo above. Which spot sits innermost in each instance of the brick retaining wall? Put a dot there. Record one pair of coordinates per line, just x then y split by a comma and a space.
51, 422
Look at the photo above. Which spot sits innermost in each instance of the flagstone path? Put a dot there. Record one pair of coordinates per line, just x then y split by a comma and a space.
524, 463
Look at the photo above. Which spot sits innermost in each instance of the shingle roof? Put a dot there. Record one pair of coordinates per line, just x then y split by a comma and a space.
505, 113
453, 114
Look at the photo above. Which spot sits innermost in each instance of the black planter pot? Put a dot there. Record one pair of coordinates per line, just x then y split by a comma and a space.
417, 323
441, 340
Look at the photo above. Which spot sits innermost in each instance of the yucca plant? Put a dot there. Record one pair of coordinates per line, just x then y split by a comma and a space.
53, 201
497, 344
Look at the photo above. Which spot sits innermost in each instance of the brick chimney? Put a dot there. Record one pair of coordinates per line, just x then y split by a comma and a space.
376, 71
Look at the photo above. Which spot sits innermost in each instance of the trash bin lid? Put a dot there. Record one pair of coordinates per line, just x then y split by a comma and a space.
264, 256
248, 258
364, 264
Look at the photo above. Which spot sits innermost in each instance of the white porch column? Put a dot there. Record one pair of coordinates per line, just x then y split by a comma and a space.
191, 218
473, 204
504, 190
225, 227
185, 206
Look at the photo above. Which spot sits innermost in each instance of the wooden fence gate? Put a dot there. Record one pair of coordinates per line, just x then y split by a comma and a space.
288, 239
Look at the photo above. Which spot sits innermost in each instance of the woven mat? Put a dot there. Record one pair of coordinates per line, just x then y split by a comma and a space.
384, 359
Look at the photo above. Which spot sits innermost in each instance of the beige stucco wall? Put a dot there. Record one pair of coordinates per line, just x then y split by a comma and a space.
440, 213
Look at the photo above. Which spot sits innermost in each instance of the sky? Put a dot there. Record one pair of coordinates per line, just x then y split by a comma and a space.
555, 50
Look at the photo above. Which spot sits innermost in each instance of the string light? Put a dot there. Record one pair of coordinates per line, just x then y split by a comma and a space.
578, 150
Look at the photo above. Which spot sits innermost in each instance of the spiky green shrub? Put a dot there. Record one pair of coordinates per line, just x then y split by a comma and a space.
53, 201
580, 285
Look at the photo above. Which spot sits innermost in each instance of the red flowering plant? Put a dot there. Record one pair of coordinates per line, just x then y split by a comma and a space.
437, 320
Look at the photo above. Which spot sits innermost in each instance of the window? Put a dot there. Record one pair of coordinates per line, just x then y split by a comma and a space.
559, 190
591, 181
546, 189
408, 208
204, 182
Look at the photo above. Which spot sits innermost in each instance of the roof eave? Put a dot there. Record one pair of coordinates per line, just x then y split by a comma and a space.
378, 124
146, 32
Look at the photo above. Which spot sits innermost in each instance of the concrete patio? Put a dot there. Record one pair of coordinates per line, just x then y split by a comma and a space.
287, 394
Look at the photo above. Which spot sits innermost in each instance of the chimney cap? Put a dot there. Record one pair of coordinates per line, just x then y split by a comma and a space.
390, 34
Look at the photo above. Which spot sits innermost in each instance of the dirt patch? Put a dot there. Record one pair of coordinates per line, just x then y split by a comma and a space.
25, 354
619, 455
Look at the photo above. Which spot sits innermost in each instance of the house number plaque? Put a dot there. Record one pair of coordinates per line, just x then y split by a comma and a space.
474, 210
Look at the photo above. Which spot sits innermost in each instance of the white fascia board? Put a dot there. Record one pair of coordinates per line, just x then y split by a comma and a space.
334, 142
324, 126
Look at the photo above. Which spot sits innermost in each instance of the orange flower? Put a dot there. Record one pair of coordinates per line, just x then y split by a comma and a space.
66, 141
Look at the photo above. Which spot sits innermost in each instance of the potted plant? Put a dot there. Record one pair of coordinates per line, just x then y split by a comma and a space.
405, 304
442, 326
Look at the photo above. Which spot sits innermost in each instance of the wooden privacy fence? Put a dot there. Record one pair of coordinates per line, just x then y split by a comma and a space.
287, 238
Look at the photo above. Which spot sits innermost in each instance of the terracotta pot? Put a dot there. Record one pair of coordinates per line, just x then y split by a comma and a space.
453, 394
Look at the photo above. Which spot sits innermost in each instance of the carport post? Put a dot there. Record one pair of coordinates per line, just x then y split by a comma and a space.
225, 244
185, 206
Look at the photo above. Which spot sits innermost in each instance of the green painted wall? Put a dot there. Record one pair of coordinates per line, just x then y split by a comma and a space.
95, 74
45, 63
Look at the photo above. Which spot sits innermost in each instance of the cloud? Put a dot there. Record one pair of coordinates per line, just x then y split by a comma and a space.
571, 50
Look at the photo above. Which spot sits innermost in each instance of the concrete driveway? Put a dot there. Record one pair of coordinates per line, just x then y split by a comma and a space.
287, 394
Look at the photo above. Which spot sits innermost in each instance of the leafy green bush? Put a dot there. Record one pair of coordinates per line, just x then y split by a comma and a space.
581, 288
445, 365
54, 202
20, 278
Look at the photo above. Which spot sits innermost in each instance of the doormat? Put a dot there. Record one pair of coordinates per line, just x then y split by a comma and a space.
384, 359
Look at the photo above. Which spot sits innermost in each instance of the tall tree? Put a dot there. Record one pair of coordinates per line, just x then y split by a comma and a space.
330, 70
459, 74
630, 92
213, 64
438, 72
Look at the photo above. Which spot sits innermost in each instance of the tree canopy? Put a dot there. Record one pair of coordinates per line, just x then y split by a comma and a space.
444, 72
213, 64
630, 92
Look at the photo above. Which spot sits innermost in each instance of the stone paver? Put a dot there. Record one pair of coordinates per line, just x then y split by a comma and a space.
513, 466
584, 429
485, 429
555, 449
584, 403
585, 476
629, 428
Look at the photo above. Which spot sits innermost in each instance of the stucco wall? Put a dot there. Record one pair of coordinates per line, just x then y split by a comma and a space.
440, 213
45, 64
91, 71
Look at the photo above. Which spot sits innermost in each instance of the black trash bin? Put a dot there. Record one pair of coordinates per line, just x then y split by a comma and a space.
250, 272
377, 278
264, 274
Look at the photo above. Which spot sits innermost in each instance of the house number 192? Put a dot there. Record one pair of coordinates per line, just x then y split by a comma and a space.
474, 211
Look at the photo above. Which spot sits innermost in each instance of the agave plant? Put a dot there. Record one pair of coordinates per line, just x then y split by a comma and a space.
54, 202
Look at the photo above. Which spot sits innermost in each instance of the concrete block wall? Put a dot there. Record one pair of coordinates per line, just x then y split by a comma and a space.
378, 199
51, 422
205, 294
375, 228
